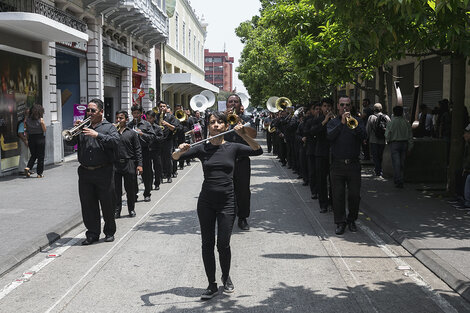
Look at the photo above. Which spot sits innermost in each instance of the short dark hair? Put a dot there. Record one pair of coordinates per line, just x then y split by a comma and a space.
136, 108
126, 115
98, 103
235, 95
366, 100
219, 116
317, 104
398, 110
151, 113
161, 103
327, 100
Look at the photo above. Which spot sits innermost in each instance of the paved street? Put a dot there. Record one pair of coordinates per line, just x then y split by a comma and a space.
290, 260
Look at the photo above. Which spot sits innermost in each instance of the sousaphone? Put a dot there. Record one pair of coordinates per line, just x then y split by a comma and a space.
271, 104
245, 100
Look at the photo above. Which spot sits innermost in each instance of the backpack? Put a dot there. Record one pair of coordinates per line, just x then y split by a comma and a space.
379, 126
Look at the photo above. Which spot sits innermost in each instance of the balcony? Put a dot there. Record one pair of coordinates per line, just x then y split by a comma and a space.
42, 8
141, 19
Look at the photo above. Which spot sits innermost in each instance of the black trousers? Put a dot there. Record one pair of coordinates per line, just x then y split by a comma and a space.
147, 174
303, 167
167, 164
312, 175
275, 140
269, 141
37, 147
211, 210
322, 168
345, 176
96, 188
282, 151
241, 184
156, 159
129, 185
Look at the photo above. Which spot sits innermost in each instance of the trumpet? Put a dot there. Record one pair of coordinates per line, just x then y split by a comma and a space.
232, 118
118, 127
68, 134
351, 122
181, 115
271, 129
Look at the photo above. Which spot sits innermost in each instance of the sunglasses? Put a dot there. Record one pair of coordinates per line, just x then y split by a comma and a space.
345, 104
91, 110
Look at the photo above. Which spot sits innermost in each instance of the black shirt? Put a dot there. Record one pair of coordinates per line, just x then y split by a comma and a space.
129, 146
169, 118
156, 144
218, 163
322, 146
98, 151
148, 135
345, 142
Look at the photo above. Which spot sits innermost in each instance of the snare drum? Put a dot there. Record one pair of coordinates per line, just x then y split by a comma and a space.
197, 132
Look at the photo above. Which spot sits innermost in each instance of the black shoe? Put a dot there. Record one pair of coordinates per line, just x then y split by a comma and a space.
228, 285
188, 163
340, 228
89, 241
109, 238
174, 175
305, 183
315, 196
243, 224
283, 164
147, 199
210, 292
352, 227
157, 188
132, 213
323, 210
161, 180
181, 167
169, 180
117, 214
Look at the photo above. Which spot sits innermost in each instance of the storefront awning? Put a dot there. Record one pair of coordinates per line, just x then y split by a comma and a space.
185, 83
39, 27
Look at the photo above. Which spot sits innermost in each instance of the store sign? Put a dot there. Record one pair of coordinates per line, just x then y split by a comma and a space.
82, 46
139, 67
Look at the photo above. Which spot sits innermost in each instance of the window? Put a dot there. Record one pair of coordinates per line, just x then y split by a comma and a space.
189, 44
176, 31
217, 60
208, 60
194, 45
198, 59
184, 38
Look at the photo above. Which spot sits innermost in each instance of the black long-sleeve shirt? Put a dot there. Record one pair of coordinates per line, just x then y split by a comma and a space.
171, 119
148, 135
156, 144
129, 146
345, 142
233, 136
97, 151
322, 146
218, 163
311, 139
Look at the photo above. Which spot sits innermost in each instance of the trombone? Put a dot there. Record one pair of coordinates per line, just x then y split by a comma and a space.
181, 115
68, 134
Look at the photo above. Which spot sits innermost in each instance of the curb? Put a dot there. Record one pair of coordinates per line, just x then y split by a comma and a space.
451, 276
38, 244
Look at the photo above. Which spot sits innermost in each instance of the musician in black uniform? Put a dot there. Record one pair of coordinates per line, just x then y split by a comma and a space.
242, 173
169, 122
185, 126
281, 131
156, 148
97, 150
345, 169
146, 137
128, 165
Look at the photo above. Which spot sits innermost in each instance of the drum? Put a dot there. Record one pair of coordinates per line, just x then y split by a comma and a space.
194, 135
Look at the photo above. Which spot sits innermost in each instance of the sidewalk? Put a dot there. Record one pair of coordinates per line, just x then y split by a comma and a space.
422, 221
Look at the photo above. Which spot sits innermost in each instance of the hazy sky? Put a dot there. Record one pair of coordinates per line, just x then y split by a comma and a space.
223, 16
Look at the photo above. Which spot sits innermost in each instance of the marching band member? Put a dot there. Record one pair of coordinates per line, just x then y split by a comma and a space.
241, 177
146, 137
128, 165
97, 147
216, 202
169, 122
156, 149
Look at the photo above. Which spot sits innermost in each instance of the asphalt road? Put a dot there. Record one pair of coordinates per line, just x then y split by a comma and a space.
290, 261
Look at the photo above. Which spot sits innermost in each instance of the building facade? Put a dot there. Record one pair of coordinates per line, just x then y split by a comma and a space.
61, 54
218, 69
183, 56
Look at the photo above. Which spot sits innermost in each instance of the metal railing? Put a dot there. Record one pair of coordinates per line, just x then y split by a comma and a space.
40, 7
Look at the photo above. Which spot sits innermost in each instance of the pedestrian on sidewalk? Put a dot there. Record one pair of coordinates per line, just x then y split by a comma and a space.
216, 202
345, 169
24, 150
465, 204
97, 150
376, 126
36, 140
400, 138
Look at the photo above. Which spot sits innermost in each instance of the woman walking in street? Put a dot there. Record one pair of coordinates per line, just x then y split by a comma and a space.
36, 140
216, 203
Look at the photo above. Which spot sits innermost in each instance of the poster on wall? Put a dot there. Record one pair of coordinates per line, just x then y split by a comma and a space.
20, 79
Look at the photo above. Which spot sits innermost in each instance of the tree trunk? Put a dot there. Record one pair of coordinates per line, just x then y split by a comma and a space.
456, 141
382, 86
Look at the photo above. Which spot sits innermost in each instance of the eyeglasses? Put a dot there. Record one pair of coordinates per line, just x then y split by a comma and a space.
345, 104
91, 110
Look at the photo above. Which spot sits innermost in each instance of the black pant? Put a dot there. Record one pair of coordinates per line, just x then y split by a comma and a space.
345, 176
96, 188
282, 151
212, 209
241, 184
269, 141
322, 169
129, 185
312, 175
377, 151
147, 174
37, 147
167, 146
155, 156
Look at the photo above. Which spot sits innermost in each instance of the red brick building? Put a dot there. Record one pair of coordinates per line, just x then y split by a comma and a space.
218, 69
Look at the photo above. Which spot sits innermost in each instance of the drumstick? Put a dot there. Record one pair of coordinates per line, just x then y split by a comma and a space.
207, 139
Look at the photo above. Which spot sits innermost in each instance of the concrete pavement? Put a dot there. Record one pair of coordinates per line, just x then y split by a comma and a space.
289, 261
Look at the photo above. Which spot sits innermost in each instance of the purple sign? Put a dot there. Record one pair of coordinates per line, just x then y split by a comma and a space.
79, 113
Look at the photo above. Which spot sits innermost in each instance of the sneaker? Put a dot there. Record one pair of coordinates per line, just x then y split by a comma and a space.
210, 292
228, 285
